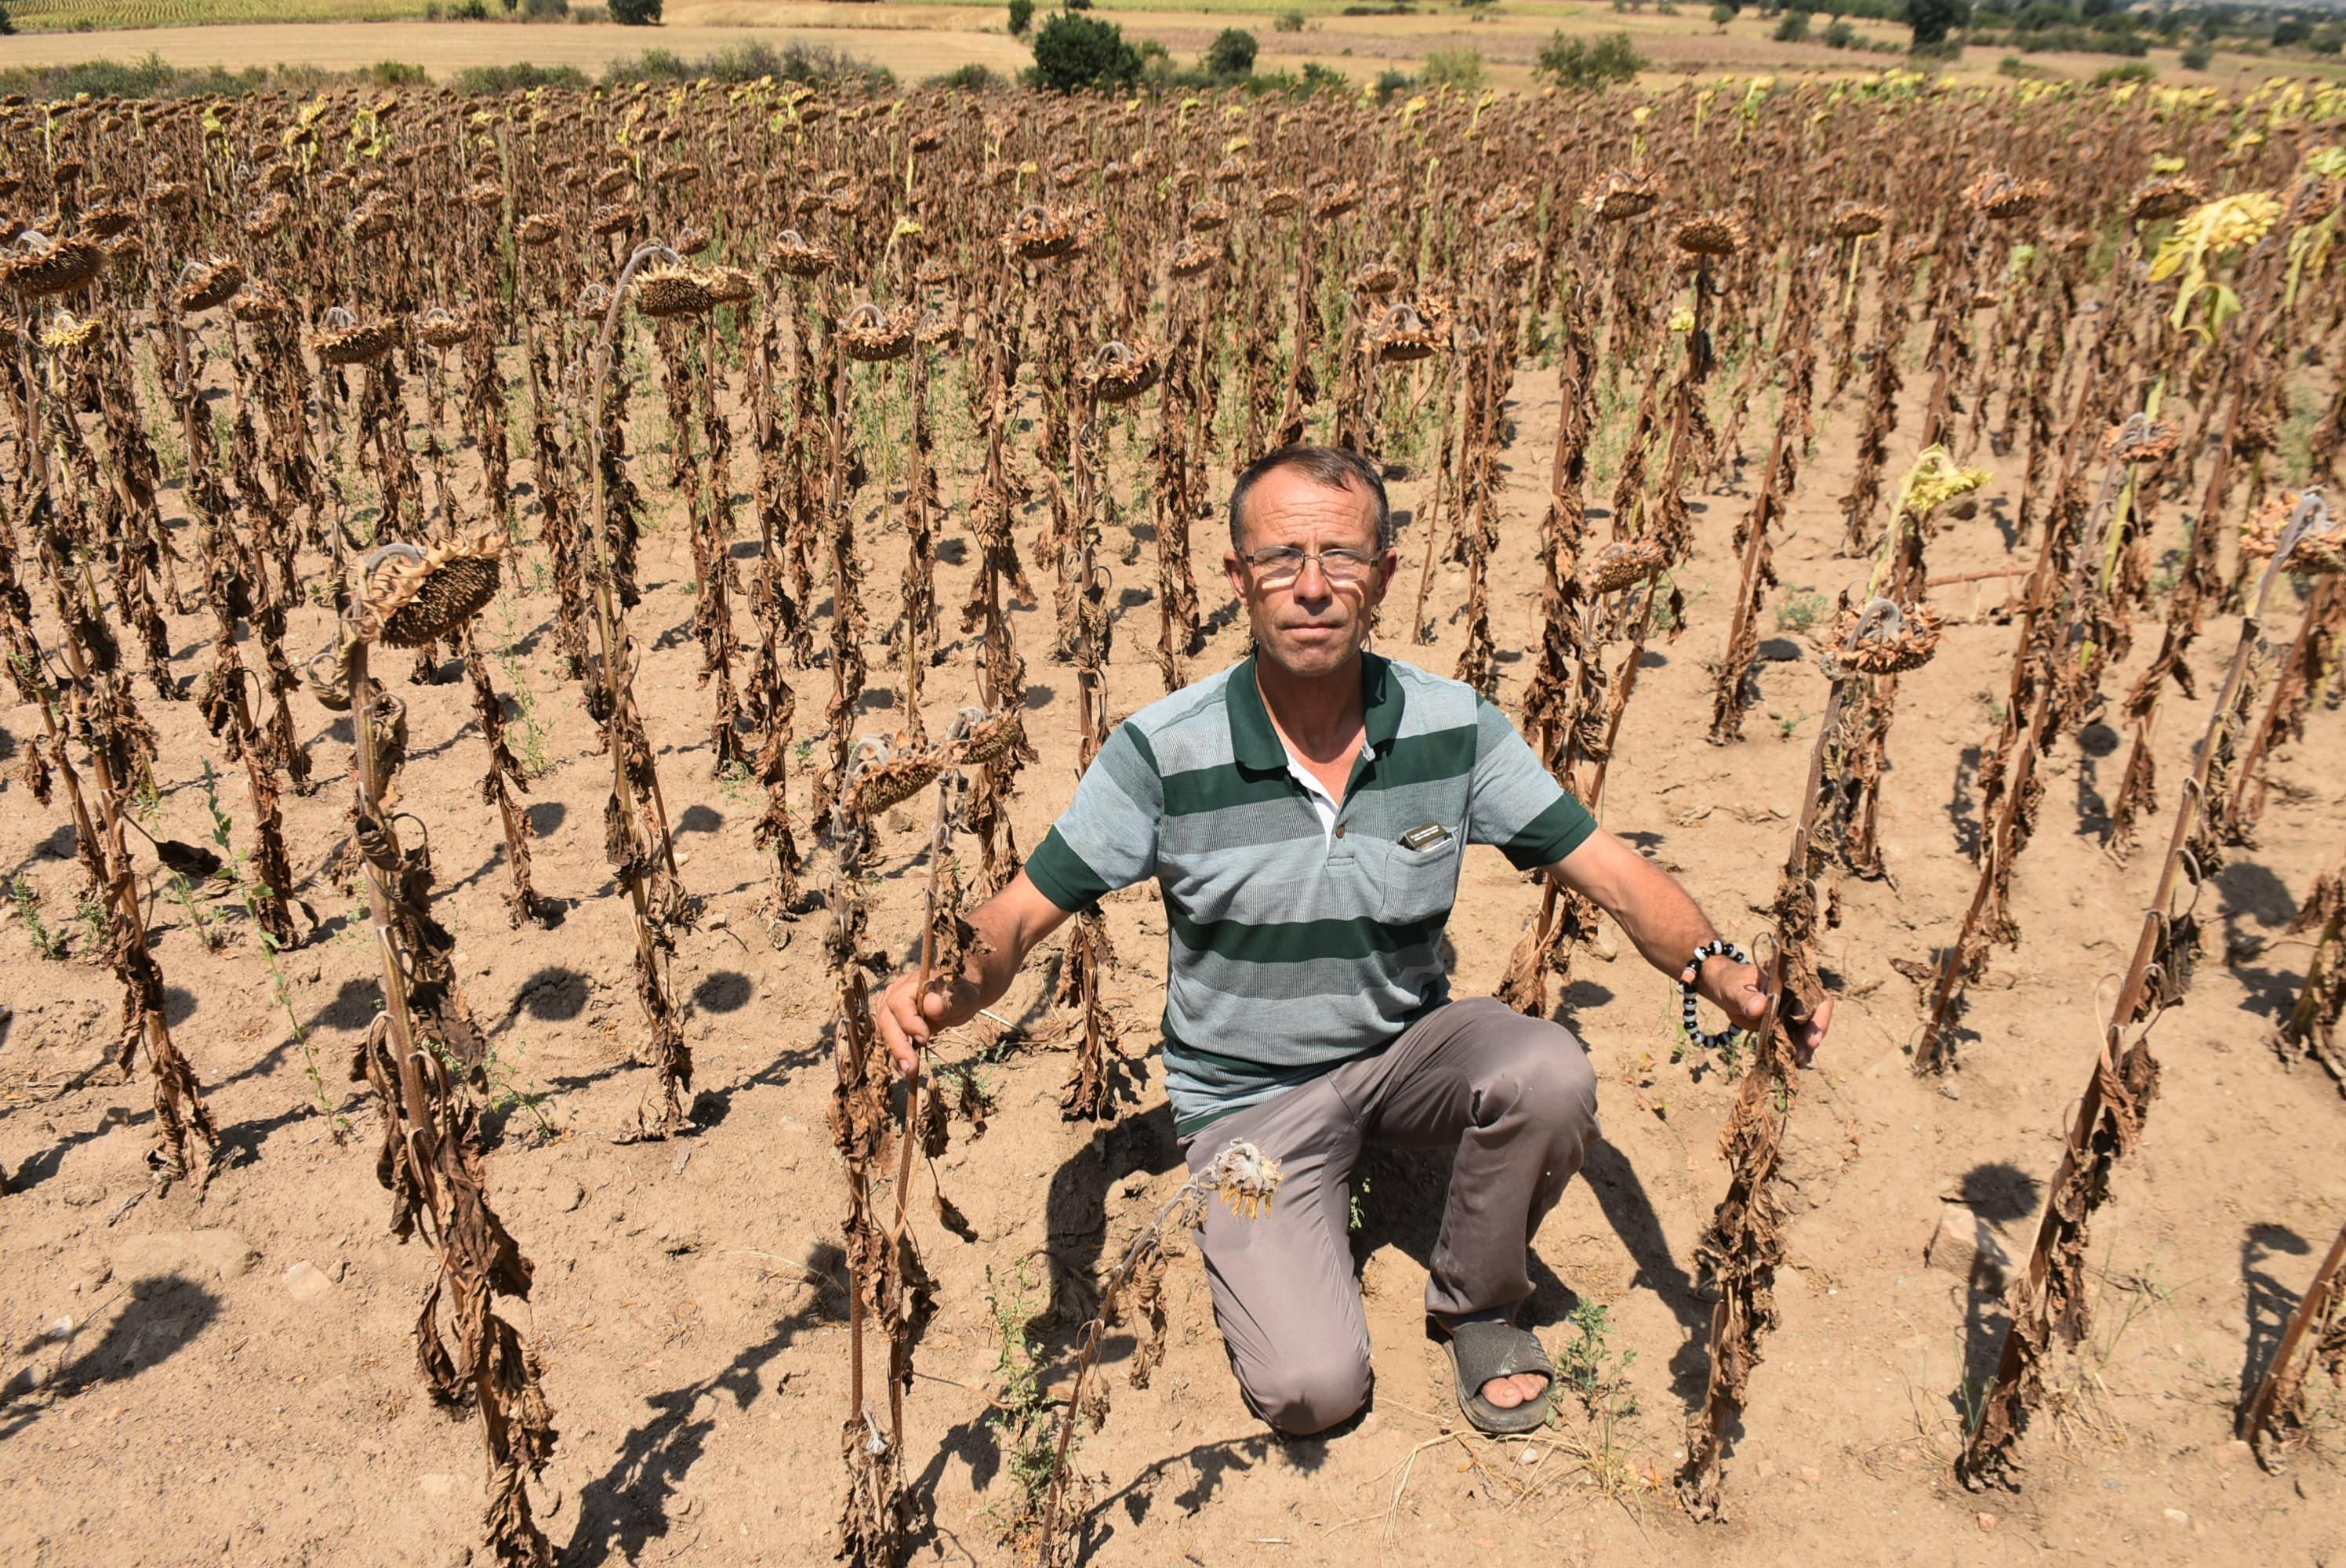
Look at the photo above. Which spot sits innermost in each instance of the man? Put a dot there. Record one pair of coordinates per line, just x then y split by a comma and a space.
1304, 812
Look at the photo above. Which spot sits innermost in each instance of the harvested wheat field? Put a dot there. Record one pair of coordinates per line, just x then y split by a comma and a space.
522, 615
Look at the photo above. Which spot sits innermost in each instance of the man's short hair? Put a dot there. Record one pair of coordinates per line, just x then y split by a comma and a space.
1335, 467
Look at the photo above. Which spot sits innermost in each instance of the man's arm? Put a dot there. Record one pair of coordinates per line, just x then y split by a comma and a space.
1667, 926
1008, 925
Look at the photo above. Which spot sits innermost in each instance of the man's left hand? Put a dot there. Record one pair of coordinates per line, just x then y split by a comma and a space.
1740, 990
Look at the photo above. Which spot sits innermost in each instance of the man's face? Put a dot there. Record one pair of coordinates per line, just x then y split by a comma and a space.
1311, 624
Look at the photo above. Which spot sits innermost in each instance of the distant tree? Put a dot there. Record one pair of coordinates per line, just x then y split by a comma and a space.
2197, 56
1021, 16
1073, 54
1792, 27
1231, 56
1578, 66
2292, 30
1721, 14
1933, 20
7, 26
1839, 34
636, 13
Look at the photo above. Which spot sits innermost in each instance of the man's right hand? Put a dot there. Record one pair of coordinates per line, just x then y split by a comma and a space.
1007, 925
910, 1016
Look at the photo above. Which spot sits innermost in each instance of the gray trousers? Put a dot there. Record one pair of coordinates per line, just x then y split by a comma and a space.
1515, 1097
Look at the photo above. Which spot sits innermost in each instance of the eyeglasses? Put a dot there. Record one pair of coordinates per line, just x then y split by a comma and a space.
1282, 564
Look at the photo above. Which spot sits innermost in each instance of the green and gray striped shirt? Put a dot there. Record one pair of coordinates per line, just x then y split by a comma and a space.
1296, 947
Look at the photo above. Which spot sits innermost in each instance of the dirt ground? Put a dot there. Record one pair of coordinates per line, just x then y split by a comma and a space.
231, 1379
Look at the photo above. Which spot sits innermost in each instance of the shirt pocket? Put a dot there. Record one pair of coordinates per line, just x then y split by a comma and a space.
1420, 885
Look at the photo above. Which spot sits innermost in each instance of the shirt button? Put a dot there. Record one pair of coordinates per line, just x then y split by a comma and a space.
1340, 830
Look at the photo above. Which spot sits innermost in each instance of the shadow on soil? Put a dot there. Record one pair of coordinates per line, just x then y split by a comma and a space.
625, 1509
164, 1313
2268, 1301
1998, 1193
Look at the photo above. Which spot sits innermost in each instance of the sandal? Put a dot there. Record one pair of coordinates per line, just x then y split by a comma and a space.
1481, 1352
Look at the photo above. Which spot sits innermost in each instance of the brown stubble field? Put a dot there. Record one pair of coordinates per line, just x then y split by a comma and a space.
230, 1375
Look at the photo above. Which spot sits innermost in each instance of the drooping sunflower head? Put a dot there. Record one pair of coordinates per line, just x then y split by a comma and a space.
1882, 639
412, 596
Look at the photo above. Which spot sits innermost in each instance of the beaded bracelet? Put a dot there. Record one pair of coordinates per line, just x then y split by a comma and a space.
1687, 978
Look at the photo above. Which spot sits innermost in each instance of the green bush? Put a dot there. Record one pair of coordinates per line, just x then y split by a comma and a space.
1021, 16
1579, 66
153, 77
1392, 84
1076, 54
396, 74
1231, 55
651, 65
545, 10
7, 26
2116, 75
810, 65
1721, 14
1318, 79
1840, 35
2197, 56
1792, 27
970, 77
636, 13
1288, 22
477, 80
1461, 70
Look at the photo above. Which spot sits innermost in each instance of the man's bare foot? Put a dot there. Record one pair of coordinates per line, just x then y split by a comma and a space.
1509, 1392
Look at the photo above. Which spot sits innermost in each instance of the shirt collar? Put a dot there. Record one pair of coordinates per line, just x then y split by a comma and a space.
1256, 744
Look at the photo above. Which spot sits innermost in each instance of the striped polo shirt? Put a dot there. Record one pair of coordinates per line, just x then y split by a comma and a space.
1293, 947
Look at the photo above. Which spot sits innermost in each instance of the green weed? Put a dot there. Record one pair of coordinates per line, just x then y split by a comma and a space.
48, 943
1798, 609
91, 915
183, 892
527, 731
1021, 1415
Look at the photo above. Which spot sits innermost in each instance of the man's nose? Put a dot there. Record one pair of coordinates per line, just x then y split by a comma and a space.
1312, 583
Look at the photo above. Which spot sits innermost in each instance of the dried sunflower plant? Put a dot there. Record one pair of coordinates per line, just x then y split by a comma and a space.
422, 1047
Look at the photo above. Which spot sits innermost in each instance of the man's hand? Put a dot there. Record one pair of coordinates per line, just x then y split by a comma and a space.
1741, 991
1007, 926
910, 1016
